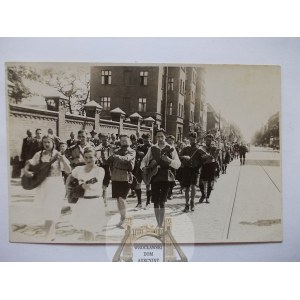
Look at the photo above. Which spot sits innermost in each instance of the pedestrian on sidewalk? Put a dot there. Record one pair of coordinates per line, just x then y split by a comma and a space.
190, 157
208, 170
242, 150
159, 160
88, 213
122, 164
226, 160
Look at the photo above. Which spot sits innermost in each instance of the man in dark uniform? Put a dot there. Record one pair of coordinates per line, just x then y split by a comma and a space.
191, 157
36, 145
72, 141
26, 147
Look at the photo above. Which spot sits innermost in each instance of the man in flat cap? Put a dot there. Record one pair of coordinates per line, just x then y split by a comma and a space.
93, 138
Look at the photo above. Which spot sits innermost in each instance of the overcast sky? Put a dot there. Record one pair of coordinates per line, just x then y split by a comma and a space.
246, 95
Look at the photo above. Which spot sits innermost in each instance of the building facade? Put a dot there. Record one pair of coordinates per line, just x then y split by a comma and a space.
175, 90
167, 94
133, 89
200, 102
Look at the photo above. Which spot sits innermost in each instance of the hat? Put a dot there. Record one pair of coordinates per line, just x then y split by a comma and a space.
93, 132
133, 137
172, 137
209, 135
193, 135
145, 135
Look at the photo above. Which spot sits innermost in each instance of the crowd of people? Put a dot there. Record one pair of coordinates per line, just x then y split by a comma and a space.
126, 162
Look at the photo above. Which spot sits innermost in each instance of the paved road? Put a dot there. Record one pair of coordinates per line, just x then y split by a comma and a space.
245, 206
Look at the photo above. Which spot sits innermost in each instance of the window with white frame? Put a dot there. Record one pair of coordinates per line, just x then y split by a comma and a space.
105, 77
170, 108
192, 116
142, 104
105, 103
171, 84
144, 78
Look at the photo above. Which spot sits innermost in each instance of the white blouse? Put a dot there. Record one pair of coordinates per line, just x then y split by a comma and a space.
56, 168
93, 189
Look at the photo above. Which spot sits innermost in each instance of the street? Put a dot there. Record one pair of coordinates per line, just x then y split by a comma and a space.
239, 209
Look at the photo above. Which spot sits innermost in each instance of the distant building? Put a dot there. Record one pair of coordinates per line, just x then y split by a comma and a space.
273, 129
200, 102
212, 119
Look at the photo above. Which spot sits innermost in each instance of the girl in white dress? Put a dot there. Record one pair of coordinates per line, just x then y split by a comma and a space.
88, 213
51, 192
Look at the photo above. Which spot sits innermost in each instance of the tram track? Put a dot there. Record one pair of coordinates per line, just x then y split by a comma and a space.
231, 213
260, 164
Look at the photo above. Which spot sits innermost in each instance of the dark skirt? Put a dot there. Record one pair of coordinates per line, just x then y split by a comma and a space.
159, 191
179, 174
189, 176
120, 189
208, 171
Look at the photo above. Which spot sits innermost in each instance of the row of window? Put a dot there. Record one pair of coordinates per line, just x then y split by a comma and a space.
105, 103
180, 109
142, 102
142, 105
106, 76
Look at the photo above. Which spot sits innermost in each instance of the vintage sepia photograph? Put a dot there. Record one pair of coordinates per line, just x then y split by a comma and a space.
141, 153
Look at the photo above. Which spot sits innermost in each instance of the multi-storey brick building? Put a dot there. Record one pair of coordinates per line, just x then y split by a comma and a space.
176, 77
133, 89
167, 94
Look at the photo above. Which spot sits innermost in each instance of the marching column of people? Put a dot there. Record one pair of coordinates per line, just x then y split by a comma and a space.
88, 164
